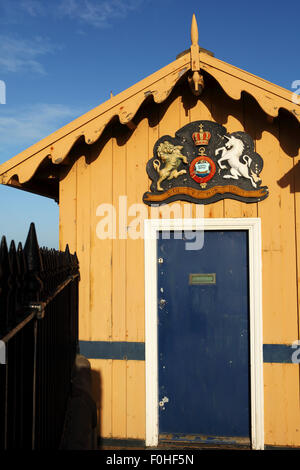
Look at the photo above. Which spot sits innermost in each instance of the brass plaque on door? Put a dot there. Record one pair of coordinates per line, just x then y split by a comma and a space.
202, 279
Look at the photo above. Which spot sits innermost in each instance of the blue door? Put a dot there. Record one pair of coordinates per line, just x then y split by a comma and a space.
203, 339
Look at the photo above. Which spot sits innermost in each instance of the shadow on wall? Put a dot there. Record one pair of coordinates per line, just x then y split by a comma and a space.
292, 179
96, 391
80, 432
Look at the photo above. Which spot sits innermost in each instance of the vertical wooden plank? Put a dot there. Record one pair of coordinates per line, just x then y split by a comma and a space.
232, 208
136, 405
101, 249
169, 117
282, 413
184, 108
290, 144
297, 208
278, 241
251, 209
295, 188
188, 209
297, 226
169, 123
137, 181
202, 111
153, 134
102, 394
83, 246
118, 245
289, 254
68, 210
119, 399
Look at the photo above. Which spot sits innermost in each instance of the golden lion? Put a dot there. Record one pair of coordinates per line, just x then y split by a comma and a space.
172, 157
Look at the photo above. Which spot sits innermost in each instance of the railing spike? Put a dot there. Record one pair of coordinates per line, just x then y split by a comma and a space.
23, 271
3, 245
16, 285
32, 251
34, 284
22, 259
15, 264
4, 256
5, 300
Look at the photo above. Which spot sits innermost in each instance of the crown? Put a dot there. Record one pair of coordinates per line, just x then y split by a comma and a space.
201, 137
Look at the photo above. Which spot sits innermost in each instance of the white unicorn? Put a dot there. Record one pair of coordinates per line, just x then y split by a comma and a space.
231, 152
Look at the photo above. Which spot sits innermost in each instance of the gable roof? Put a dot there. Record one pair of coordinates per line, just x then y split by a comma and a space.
19, 170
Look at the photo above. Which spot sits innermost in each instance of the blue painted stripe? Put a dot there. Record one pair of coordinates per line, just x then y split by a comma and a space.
280, 353
113, 350
122, 350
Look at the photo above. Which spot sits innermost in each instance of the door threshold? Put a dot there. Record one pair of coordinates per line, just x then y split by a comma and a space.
201, 441
200, 446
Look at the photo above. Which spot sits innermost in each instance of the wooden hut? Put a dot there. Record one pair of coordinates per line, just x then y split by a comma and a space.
190, 339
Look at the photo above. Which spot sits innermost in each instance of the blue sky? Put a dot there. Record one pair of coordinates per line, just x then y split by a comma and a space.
61, 58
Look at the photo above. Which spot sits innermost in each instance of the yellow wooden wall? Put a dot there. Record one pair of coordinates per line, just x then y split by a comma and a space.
112, 271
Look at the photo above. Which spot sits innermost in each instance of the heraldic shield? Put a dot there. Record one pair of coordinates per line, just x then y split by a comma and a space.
203, 163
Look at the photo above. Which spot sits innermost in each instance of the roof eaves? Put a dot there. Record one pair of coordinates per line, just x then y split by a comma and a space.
234, 81
159, 85
90, 125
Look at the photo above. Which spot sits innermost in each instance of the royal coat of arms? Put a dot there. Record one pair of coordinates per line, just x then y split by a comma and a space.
203, 163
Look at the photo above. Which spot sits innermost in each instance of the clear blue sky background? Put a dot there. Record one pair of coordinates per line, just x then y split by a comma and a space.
61, 58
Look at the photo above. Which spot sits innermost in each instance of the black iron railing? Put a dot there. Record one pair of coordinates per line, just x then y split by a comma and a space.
38, 342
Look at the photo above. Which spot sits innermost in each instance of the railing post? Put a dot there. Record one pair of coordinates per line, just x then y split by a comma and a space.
5, 299
23, 271
15, 284
33, 291
5, 316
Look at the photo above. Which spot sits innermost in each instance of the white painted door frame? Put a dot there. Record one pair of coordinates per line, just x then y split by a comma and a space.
151, 229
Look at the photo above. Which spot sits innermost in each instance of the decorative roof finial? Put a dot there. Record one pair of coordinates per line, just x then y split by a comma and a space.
194, 31
197, 79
